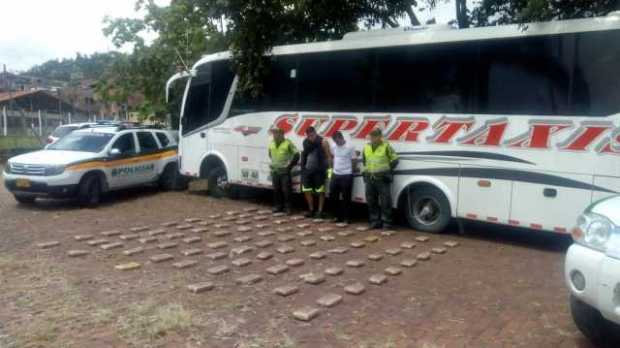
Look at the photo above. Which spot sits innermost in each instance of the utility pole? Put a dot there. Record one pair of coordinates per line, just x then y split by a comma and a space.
4, 121
40, 124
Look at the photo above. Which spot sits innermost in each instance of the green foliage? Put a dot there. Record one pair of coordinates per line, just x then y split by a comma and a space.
493, 12
75, 69
184, 35
187, 29
256, 26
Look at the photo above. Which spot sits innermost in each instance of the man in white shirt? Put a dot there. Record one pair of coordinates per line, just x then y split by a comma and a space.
343, 158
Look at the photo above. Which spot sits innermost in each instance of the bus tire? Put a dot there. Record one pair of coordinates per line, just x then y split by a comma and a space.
24, 199
90, 191
218, 183
427, 209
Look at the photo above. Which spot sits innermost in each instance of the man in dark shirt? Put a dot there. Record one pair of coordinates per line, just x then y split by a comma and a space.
314, 164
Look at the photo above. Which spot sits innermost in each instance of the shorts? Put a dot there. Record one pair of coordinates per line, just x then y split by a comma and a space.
313, 181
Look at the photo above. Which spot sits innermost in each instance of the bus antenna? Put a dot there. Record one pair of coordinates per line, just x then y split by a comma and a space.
181, 59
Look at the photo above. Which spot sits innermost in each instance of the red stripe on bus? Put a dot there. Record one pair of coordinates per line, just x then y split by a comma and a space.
514, 222
560, 230
358, 199
536, 226
471, 216
492, 219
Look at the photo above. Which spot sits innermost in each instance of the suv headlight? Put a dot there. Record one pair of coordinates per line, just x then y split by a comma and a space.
593, 231
54, 170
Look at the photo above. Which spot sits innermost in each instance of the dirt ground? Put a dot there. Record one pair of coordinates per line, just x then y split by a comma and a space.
499, 288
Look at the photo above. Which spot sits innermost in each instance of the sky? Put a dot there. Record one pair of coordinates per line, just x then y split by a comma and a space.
34, 31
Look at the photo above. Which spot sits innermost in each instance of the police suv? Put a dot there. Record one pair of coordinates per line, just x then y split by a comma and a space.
592, 272
89, 162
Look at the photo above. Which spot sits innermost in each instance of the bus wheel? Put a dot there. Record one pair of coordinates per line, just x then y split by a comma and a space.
427, 209
218, 183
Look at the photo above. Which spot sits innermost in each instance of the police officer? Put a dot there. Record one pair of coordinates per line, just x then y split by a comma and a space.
379, 160
284, 156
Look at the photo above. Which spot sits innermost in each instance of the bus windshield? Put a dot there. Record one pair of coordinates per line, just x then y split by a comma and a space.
207, 95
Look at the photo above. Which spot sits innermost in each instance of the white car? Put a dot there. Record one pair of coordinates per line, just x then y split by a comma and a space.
63, 130
89, 162
592, 272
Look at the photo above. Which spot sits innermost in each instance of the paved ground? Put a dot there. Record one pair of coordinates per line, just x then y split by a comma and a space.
497, 288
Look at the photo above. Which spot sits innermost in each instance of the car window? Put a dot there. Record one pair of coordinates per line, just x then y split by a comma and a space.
147, 142
163, 139
125, 144
62, 131
88, 142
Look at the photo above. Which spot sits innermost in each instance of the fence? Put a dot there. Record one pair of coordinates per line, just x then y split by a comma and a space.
39, 123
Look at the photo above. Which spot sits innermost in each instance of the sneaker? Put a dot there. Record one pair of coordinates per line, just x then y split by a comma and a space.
375, 225
309, 214
320, 215
388, 227
288, 211
276, 210
337, 220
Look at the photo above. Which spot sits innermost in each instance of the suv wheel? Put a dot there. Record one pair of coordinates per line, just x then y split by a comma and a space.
170, 178
589, 321
90, 191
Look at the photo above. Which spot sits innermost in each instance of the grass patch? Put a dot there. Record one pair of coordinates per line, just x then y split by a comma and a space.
19, 142
149, 321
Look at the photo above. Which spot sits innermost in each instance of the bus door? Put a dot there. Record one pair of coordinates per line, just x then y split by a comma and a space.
483, 196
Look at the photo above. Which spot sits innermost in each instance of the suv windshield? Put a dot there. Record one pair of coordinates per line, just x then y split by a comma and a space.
62, 131
89, 142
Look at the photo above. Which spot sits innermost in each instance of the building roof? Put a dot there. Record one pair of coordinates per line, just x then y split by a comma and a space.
37, 100
6, 96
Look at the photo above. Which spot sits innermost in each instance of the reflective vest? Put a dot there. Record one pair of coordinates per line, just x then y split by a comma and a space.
281, 155
379, 159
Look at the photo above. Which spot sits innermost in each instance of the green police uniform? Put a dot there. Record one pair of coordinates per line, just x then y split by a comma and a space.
378, 163
283, 157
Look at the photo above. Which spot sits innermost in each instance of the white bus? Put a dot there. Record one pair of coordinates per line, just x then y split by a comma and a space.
508, 125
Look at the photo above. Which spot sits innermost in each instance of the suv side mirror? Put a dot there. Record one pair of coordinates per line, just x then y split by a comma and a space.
115, 153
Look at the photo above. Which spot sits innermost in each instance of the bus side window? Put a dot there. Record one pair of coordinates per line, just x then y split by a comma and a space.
597, 89
279, 90
427, 78
337, 81
527, 76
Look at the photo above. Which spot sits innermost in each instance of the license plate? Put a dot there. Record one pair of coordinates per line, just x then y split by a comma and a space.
22, 183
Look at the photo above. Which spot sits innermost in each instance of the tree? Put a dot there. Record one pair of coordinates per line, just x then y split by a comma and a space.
184, 34
493, 12
250, 29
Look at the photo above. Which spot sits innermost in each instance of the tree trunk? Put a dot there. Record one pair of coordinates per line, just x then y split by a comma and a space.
461, 13
412, 17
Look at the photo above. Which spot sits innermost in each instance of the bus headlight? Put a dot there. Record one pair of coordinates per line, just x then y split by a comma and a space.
593, 231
